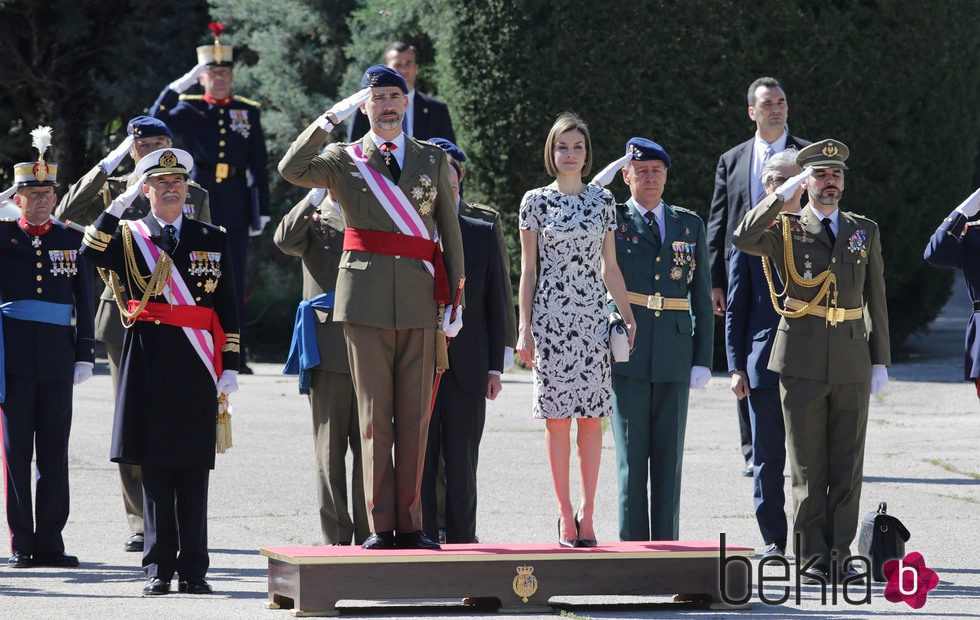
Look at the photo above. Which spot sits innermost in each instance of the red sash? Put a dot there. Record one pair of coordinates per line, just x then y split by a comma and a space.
194, 317
394, 244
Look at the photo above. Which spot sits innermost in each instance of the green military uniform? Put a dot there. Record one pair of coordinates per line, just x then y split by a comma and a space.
825, 364
486, 214
386, 304
316, 235
650, 392
85, 200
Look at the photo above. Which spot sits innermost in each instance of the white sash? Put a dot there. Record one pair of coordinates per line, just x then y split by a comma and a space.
392, 199
175, 289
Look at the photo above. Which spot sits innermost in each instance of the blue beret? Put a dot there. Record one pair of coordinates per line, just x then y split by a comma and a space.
645, 150
380, 75
147, 127
451, 149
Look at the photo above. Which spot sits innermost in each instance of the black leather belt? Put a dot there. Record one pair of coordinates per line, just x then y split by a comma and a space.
222, 171
976, 306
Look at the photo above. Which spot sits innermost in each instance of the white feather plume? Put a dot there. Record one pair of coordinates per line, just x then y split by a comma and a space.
41, 139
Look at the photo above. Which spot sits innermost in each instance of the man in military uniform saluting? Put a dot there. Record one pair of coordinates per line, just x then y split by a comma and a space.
662, 253
394, 192
314, 231
82, 204
223, 132
41, 284
174, 282
828, 361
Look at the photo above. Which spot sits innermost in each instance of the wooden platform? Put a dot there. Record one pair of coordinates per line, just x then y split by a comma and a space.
522, 577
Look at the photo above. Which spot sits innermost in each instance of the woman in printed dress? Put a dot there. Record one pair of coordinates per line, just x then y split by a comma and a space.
567, 232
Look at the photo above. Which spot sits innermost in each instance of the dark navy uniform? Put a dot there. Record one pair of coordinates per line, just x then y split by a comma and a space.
226, 140
166, 401
39, 360
956, 245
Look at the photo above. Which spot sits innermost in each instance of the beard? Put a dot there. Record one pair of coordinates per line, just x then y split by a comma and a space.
386, 124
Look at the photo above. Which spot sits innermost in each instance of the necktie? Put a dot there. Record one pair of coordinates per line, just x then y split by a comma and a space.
654, 227
390, 160
769, 153
830, 233
170, 234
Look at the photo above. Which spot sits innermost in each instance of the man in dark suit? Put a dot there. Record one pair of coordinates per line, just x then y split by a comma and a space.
85, 200
750, 324
476, 359
737, 189
427, 117
174, 281
41, 355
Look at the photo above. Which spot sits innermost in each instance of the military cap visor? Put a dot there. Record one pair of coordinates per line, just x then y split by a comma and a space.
380, 75
165, 161
827, 153
147, 127
644, 149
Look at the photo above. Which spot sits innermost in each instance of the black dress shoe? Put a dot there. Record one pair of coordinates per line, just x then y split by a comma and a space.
56, 560
415, 540
156, 586
774, 550
245, 369
19, 560
134, 543
815, 575
380, 540
195, 586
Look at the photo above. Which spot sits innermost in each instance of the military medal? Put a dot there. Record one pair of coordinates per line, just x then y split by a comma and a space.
676, 273
36, 242
210, 285
858, 243
807, 270
189, 210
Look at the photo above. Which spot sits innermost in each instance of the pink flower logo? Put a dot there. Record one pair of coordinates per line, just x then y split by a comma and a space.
909, 580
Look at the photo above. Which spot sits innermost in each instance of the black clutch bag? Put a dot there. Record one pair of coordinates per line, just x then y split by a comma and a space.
882, 538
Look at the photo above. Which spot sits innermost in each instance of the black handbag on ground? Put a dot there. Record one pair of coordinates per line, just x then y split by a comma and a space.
882, 538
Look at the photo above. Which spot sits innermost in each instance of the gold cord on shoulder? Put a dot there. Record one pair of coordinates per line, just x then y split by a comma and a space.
827, 281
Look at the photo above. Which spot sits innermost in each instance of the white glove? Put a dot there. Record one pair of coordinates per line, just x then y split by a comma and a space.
316, 196
607, 174
508, 358
7, 193
342, 109
790, 185
263, 220
228, 382
83, 372
122, 202
879, 378
450, 327
699, 377
188, 79
970, 206
113, 159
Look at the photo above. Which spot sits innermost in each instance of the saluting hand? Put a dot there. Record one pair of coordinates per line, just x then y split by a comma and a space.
188, 79
119, 205
113, 159
789, 187
970, 206
342, 109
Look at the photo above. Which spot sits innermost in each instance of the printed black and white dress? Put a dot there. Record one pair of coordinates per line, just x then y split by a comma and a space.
569, 319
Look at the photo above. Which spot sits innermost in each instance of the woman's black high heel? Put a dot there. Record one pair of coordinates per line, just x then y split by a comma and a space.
563, 541
583, 542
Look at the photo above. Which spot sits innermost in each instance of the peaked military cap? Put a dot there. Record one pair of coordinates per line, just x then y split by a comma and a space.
380, 75
165, 161
827, 153
646, 150
147, 127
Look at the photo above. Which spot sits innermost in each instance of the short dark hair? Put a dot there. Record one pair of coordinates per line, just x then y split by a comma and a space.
567, 121
768, 82
398, 47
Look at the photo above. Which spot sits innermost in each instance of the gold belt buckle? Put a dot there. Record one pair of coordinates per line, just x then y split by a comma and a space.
655, 301
220, 171
835, 315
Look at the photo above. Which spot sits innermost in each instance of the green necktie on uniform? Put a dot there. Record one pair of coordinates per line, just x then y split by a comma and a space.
654, 227
830, 232
170, 236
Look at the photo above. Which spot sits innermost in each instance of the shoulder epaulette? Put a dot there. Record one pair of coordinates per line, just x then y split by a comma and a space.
250, 102
7, 219
191, 97
484, 209
683, 210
